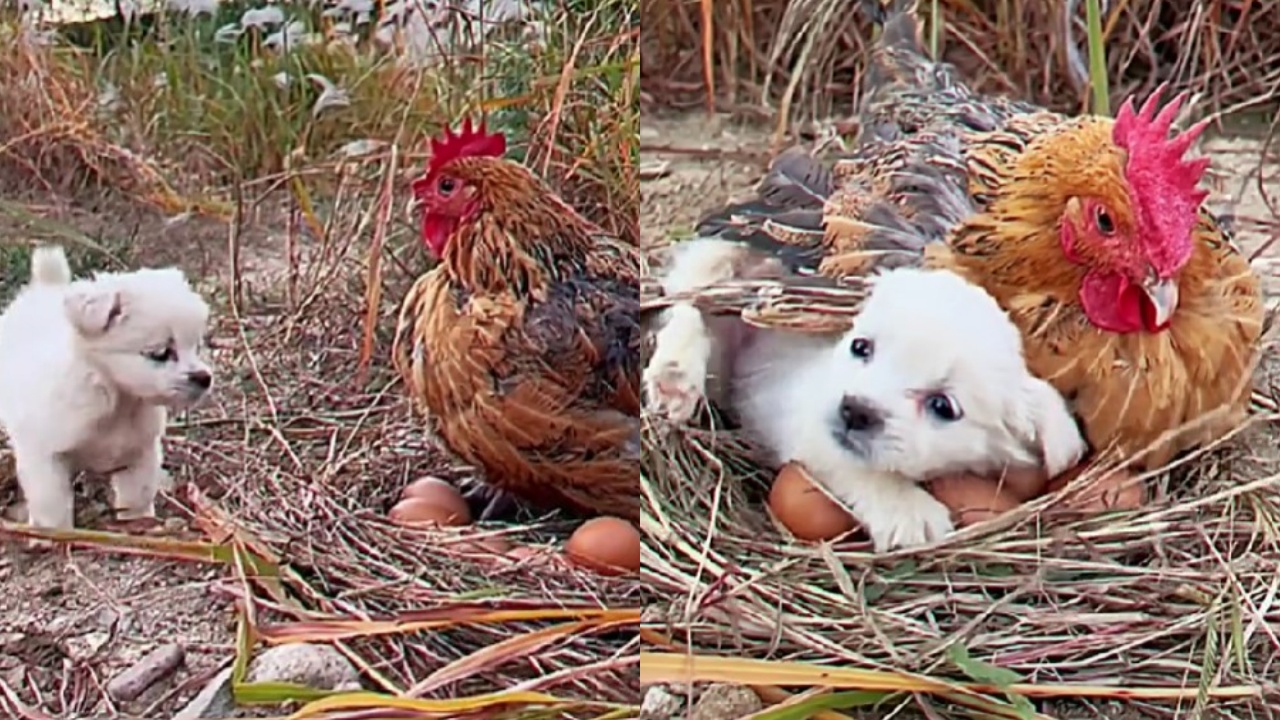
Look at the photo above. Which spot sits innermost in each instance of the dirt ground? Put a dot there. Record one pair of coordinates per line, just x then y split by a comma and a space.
70, 621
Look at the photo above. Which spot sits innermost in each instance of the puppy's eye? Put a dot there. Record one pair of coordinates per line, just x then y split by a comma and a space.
162, 356
943, 407
861, 348
1103, 220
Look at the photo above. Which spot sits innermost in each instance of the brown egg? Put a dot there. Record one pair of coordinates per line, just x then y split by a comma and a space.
607, 545
804, 509
428, 487
443, 495
1118, 489
440, 511
1023, 483
972, 499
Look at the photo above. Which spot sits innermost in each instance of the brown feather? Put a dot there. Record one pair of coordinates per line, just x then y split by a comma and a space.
943, 176
1159, 393
522, 347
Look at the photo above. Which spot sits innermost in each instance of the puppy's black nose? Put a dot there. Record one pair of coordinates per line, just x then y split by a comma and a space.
200, 378
860, 416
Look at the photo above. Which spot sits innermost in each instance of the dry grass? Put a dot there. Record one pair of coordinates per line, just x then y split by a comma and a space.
306, 460
1168, 611
48, 132
288, 475
805, 56
1171, 609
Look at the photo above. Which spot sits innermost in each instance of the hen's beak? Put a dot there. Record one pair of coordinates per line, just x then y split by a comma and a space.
1163, 294
413, 210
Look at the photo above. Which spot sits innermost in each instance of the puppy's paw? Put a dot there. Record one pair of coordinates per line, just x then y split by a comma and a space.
907, 519
674, 389
145, 512
136, 526
675, 379
51, 517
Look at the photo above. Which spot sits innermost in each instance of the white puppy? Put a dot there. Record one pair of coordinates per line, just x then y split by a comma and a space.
87, 370
931, 380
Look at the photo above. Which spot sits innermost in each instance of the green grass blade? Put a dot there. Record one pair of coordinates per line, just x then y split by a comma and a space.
1097, 60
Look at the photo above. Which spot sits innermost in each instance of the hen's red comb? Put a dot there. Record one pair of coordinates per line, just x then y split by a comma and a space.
467, 142
1165, 184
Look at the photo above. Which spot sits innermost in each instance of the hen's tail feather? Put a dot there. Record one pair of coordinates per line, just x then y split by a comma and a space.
898, 23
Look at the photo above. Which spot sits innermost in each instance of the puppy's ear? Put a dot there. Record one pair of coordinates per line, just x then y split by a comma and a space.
1048, 426
93, 310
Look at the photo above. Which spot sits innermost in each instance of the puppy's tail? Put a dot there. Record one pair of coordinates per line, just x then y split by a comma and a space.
49, 266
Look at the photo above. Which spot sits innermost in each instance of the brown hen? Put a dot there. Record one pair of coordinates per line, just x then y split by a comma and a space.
1089, 231
521, 346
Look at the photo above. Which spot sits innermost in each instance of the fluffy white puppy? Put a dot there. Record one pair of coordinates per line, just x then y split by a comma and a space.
930, 380
87, 370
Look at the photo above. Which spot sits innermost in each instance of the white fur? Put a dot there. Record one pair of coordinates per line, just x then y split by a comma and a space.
691, 353
79, 389
932, 332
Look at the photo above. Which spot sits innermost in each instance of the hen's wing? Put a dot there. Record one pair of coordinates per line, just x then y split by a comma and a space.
784, 221
877, 207
542, 395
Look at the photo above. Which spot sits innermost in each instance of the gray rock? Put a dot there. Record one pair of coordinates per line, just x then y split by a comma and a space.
87, 646
660, 704
147, 671
214, 700
317, 666
722, 701
106, 618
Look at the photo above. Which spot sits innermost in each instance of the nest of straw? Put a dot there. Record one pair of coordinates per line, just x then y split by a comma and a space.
1180, 594
807, 55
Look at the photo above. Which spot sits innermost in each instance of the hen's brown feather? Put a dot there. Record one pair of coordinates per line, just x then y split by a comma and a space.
945, 177
1135, 392
522, 349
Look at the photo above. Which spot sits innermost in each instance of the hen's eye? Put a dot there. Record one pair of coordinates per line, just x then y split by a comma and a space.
943, 407
1105, 224
162, 356
447, 186
861, 348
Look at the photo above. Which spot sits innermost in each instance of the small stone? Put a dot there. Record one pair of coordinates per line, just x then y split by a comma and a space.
214, 700
106, 618
722, 701
659, 704
150, 669
317, 666
85, 647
